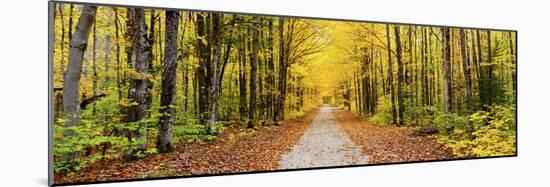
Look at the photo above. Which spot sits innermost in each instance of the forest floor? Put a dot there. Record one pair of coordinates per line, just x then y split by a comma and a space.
390, 144
236, 149
324, 144
326, 136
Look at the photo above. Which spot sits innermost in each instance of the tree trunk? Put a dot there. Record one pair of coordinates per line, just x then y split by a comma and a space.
513, 59
253, 77
167, 111
118, 64
446, 61
467, 79
491, 91
203, 53
400, 76
62, 44
242, 79
107, 60
282, 74
412, 61
466, 68
215, 73
184, 67
271, 72
481, 69
138, 92
94, 64
475, 55
390, 76
358, 97
71, 81
71, 7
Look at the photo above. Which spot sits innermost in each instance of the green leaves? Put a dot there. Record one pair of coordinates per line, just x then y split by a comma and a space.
494, 133
151, 151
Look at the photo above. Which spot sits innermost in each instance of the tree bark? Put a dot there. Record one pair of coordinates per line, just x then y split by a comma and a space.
390, 76
184, 67
94, 64
71, 7
467, 80
271, 72
71, 81
107, 60
446, 61
513, 59
481, 69
203, 53
215, 73
474, 55
167, 111
62, 44
138, 92
282, 74
400, 76
253, 77
466, 68
118, 63
491, 92
242, 79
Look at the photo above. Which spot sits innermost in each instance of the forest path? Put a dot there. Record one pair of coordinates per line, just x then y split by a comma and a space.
324, 144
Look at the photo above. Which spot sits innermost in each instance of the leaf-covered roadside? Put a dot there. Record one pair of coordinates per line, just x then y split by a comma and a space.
235, 150
390, 144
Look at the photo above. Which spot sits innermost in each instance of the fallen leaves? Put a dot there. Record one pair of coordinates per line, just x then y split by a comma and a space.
236, 150
389, 144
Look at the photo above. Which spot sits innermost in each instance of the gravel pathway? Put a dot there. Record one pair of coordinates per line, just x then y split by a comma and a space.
324, 144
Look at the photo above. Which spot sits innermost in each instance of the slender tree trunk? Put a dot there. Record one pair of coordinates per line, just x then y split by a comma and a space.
513, 59
118, 63
358, 97
253, 77
490, 79
196, 92
71, 7
481, 69
412, 62
271, 72
432, 46
467, 79
138, 91
282, 74
383, 77
151, 38
184, 67
167, 111
62, 44
400, 76
242, 78
446, 61
424, 75
94, 64
203, 53
416, 80
71, 81
107, 60
215, 73
390, 76
374, 84
365, 88
466, 68
475, 56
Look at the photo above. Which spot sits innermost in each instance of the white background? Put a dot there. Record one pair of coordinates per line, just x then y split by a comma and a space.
23, 92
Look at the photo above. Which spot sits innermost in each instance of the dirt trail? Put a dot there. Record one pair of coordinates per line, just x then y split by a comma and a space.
324, 144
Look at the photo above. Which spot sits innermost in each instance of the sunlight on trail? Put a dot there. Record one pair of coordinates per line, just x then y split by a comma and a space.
324, 144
